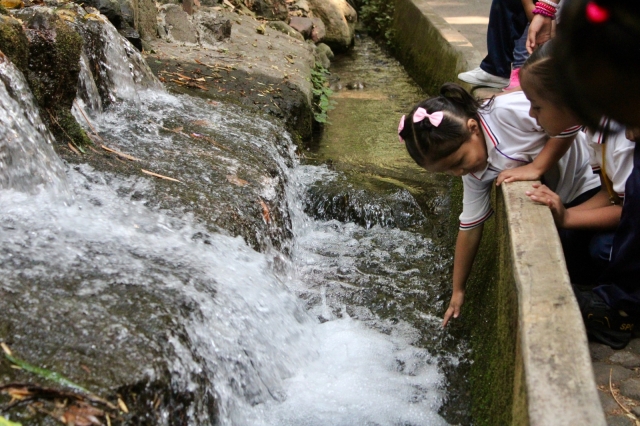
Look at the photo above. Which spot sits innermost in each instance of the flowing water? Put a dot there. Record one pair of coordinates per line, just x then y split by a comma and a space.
338, 325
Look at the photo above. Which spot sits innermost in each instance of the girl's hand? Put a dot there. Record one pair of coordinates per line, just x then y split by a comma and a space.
541, 30
528, 172
542, 194
457, 299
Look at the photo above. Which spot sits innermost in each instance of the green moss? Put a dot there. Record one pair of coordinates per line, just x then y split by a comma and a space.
66, 128
490, 314
13, 42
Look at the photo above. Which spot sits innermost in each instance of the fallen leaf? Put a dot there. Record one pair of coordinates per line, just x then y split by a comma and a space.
161, 177
122, 405
236, 180
119, 154
266, 215
81, 415
5, 348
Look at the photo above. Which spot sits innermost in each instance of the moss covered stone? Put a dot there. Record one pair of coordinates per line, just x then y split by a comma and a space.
13, 42
53, 71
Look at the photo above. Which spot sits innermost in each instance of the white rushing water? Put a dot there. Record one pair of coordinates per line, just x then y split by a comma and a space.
267, 356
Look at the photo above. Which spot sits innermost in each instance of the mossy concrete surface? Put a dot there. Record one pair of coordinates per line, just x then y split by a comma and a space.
531, 363
430, 49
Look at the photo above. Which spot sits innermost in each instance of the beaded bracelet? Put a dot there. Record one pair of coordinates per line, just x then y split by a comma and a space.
544, 9
550, 3
545, 6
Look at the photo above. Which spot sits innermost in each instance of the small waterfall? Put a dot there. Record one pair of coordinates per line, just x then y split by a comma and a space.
88, 96
121, 70
272, 339
27, 159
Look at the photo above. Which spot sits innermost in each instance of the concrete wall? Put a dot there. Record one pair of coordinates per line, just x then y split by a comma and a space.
531, 359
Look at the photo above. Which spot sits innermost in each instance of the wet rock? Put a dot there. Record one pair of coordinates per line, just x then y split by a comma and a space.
349, 199
618, 373
355, 85
626, 359
302, 25
286, 29
178, 25
54, 66
339, 19
600, 352
318, 31
133, 36
631, 388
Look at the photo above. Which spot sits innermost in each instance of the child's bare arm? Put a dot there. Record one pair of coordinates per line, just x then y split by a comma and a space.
552, 151
595, 213
467, 245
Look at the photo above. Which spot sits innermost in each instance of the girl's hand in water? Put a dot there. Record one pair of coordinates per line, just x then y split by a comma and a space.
457, 299
528, 172
542, 194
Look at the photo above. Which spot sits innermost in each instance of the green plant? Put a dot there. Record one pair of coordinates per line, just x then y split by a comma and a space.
321, 93
377, 16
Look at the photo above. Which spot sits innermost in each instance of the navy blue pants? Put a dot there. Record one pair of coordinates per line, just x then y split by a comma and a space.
621, 281
576, 245
507, 22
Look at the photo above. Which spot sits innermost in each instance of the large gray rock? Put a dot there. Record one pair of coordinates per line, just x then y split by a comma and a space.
178, 25
302, 25
270, 9
123, 14
286, 29
339, 19
211, 27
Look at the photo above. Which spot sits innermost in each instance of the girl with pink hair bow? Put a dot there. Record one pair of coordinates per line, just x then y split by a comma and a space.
495, 141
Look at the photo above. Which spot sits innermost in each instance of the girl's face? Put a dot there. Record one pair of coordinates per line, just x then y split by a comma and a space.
552, 118
471, 157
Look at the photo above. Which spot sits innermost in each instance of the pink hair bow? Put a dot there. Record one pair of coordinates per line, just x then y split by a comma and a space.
435, 119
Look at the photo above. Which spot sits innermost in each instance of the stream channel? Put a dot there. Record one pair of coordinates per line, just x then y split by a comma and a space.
334, 321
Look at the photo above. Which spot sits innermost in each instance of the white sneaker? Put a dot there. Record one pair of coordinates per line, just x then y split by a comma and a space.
479, 77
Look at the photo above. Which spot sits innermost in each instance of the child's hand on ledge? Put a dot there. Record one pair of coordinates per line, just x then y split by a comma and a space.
528, 172
543, 195
457, 299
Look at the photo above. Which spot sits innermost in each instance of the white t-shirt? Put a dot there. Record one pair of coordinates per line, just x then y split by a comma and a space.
514, 139
618, 157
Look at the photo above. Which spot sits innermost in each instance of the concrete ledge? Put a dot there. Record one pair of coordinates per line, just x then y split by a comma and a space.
559, 382
431, 50
531, 359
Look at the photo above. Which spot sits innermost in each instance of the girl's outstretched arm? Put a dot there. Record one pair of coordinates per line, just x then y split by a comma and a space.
467, 245
550, 154
595, 213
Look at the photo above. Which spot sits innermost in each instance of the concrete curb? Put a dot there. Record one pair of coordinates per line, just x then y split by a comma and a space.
551, 379
559, 381
431, 50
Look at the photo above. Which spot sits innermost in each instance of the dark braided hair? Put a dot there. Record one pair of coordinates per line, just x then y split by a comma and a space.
600, 59
426, 143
